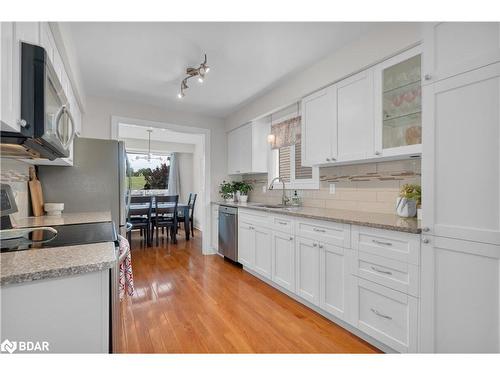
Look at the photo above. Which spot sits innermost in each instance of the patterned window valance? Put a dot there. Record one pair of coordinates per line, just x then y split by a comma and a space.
286, 133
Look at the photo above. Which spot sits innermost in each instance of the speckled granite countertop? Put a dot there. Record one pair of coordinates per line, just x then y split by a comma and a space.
64, 219
368, 219
52, 262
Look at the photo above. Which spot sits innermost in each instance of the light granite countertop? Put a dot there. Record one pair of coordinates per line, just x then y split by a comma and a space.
368, 219
64, 219
53, 262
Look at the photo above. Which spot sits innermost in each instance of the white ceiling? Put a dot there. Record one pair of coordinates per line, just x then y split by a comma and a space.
145, 62
131, 131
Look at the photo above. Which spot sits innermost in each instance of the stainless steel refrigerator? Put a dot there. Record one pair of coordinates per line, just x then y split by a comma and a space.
96, 182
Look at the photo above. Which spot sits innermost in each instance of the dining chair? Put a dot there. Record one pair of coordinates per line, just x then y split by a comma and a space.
166, 217
191, 212
140, 217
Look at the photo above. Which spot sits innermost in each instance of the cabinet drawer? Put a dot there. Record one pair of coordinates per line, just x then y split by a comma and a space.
387, 315
391, 273
254, 217
404, 247
283, 224
329, 232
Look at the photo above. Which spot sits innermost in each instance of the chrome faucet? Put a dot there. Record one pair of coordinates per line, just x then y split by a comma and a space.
284, 198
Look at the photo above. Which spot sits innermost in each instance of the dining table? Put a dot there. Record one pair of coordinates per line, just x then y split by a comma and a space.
184, 207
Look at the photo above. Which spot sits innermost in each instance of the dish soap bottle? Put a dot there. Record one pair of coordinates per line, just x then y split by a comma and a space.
295, 199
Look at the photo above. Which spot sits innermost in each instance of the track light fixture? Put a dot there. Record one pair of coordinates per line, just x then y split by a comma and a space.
199, 72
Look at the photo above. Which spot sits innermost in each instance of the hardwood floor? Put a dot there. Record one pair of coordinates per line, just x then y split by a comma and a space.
189, 303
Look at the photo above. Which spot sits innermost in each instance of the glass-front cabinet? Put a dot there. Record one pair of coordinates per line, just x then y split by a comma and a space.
398, 105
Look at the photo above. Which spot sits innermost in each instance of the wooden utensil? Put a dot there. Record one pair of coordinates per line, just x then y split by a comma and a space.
36, 193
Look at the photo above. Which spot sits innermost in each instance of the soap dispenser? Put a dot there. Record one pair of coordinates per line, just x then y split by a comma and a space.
295, 199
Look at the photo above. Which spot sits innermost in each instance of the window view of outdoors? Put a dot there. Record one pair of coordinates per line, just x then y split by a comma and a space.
148, 174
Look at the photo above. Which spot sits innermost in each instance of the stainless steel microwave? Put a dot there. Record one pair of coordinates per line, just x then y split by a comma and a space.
46, 125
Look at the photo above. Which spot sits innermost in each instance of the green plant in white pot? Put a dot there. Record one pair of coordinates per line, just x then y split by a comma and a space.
226, 191
410, 196
244, 188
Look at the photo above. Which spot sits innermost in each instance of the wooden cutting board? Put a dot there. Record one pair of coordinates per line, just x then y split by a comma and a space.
36, 193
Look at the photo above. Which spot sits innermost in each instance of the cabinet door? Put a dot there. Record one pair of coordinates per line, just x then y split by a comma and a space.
355, 117
239, 150
12, 34
260, 146
335, 287
319, 128
461, 168
246, 245
215, 228
452, 48
263, 251
460, 297
284, 260
398, 108
307, 269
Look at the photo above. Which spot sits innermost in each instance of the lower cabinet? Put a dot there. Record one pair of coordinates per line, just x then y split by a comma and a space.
460, 296
263, 251
307, 269
336, 281
387, 315
246, 245
283, 271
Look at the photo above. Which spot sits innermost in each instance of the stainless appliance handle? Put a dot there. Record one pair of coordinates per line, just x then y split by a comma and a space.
64, 110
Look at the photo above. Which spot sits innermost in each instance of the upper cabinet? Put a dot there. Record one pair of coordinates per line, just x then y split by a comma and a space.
247, 148
452, 48
12, 34
372, 114
398, 105
319, 127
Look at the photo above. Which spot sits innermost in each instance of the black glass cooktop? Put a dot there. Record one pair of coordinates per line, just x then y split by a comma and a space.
67, 235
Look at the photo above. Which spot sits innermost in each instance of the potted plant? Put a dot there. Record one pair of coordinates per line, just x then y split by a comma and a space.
226, 191
244, 188
410, 196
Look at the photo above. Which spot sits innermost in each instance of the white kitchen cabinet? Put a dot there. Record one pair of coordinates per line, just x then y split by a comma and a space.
460, 296
263, 251
319, 127
215, 228
283, 271
70, 313
398, 107
453, 48
335, 280
355, 117
307, 269
461, 168
387, 315
247, 148
246, 244
12, 34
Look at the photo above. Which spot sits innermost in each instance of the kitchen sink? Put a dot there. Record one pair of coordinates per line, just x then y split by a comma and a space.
277, 206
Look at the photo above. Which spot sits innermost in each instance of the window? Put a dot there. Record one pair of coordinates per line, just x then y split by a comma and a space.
147, 174
286, 163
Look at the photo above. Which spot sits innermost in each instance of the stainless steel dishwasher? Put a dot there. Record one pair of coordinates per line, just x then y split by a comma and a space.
228, 232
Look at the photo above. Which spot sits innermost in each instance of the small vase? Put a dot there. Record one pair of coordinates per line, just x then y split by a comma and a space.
406, 207
230, 200
243, 198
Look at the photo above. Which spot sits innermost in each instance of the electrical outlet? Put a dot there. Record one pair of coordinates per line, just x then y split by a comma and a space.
264, 188
332, 188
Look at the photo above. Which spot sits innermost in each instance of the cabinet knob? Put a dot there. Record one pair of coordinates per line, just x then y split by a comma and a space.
22, 123
425, 240
315, 244
333, 159
291, 238
327, 159
426, 229
320, 246
427, 77
377, 152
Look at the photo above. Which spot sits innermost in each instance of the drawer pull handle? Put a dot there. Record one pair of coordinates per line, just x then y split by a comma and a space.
282, 222
381, 271
381, 315
315, 244
319, 230
382, 243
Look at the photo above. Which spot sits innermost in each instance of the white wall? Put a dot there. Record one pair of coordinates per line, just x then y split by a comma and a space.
97, 124
375, 46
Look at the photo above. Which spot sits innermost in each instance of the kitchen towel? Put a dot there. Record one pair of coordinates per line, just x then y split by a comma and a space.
126, 276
